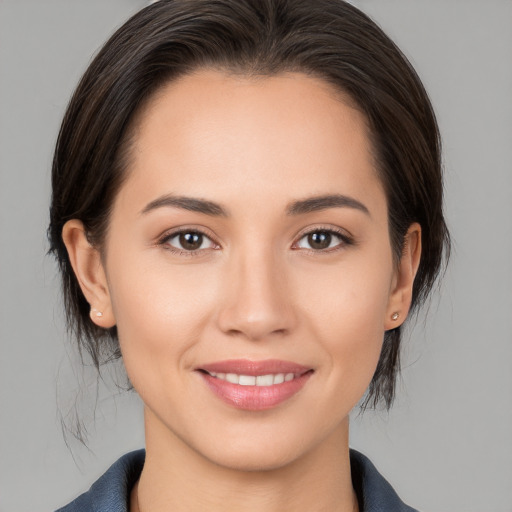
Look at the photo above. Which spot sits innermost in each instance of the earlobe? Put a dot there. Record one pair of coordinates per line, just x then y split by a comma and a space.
401, 294
88, 268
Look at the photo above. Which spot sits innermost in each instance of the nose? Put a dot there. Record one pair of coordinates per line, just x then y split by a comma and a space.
257, 302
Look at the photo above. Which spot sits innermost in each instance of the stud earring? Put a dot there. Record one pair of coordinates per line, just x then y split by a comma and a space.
97, 313
395, 316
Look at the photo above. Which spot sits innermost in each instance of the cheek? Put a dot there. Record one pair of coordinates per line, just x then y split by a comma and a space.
346, 310
159, 314
352, 294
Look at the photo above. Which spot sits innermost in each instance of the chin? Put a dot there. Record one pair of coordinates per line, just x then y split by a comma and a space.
255, 460
251, 452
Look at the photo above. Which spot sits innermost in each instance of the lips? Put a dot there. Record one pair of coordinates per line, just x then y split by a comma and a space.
254, 385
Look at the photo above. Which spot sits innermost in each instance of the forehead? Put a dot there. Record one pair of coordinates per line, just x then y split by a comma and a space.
286, 136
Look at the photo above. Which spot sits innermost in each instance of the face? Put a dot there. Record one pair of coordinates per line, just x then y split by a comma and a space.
248, 267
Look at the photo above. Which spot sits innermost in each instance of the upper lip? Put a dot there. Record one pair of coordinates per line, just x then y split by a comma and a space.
254, 368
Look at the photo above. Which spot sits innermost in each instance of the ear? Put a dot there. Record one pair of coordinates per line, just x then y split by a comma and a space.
401, 289
88, 267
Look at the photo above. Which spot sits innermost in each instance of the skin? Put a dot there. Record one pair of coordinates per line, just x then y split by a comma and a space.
258, 290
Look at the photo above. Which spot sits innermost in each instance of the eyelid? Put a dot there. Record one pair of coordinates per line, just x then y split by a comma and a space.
346, 238
171, 233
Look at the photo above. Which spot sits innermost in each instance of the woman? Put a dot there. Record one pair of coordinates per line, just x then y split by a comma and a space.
247, 204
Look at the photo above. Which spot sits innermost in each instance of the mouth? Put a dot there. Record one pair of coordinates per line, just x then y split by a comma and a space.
251, 380
255, 385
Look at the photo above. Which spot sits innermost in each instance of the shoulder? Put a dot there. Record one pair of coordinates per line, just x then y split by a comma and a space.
374, 492
111, 492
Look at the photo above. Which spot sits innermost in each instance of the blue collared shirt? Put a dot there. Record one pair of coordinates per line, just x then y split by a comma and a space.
111, 493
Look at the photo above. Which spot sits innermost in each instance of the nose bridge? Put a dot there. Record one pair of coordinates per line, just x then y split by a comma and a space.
258, 303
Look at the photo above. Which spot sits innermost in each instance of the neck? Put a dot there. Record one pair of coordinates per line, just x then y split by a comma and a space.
175, 477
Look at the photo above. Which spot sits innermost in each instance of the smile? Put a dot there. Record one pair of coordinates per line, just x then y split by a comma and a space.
254, 385
251, 380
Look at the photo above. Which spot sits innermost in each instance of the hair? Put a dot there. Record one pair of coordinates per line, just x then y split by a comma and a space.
327, 39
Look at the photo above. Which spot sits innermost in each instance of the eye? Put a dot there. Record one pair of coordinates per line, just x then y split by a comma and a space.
322, 239
188, 241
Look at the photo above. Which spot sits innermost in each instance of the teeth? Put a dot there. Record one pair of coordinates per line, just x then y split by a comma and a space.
279, 378
250, 380
231, 377
264, 380
247, 380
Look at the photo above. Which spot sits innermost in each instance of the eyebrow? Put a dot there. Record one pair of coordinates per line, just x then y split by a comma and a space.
187, 203
301, 207
318, 203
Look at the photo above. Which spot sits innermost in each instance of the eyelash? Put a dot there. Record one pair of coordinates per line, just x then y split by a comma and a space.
164, 241
345, 240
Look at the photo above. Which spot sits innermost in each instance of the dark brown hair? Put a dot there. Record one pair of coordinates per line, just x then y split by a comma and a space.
329, 39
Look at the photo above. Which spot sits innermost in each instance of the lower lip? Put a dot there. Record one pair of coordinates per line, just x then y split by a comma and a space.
255, 398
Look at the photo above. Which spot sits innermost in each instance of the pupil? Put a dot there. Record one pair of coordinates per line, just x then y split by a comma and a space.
191, 241
319, 240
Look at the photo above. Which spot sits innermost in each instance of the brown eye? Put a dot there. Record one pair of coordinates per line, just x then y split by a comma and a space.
321, 240
189, 241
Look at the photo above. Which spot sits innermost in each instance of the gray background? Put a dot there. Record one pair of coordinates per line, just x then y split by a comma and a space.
446, 445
